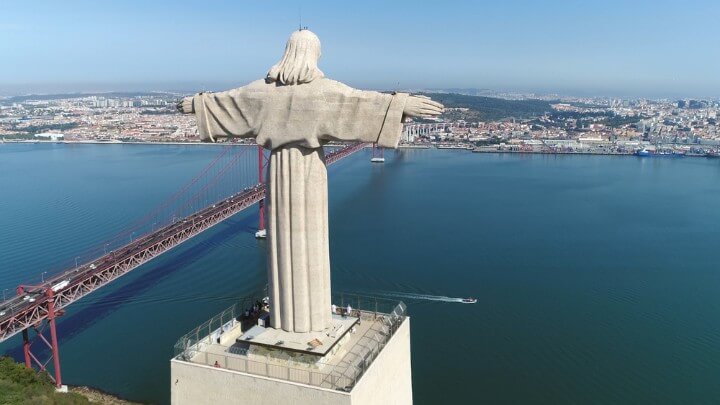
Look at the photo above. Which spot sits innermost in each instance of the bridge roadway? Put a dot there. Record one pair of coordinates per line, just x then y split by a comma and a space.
33, 304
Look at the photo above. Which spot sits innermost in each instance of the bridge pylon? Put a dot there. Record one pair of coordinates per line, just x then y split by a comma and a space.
378, 154
36, 307
31, 359
262, 163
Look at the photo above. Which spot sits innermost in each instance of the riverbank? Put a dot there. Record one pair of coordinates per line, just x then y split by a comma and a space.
596, 153
98, 397
21, 385
90, 142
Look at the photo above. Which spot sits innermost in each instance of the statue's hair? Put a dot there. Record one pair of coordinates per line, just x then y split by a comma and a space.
299, 63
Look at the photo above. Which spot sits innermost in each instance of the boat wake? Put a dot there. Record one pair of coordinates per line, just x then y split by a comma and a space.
422, 297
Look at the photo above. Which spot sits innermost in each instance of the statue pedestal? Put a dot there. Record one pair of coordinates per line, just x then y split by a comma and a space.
369, 363
312, 346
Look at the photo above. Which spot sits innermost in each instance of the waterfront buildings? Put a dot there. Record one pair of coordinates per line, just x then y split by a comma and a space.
568, 124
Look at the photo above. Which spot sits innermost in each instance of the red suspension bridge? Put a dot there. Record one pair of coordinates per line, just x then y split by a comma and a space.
214, 195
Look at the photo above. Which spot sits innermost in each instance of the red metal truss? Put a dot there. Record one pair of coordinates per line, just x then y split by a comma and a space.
82, 281
35, 304
344, 152
30, 357
262, 161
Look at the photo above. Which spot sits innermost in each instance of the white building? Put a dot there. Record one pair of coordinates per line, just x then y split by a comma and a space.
50, 136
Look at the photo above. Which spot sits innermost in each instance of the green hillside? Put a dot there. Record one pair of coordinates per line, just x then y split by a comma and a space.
489, 108
20, 385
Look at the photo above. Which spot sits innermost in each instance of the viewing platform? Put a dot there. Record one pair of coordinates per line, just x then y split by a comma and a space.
332, 364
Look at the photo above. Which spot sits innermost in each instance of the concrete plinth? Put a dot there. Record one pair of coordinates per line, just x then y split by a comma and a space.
386, 381
300, 342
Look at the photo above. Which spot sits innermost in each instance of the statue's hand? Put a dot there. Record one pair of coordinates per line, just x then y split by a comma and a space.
185, 106
421, 106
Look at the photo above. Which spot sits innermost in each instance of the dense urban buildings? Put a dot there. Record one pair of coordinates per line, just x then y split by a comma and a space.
105, 118
502, 123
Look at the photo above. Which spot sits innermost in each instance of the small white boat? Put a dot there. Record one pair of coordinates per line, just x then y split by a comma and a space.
261, 234
378, 160
469, 300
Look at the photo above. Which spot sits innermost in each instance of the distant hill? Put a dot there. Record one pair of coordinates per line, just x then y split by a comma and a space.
490, 108
39, 97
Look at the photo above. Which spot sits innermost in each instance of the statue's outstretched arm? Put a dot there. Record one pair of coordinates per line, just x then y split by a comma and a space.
370, 116
223, 115
423, 107
185, 105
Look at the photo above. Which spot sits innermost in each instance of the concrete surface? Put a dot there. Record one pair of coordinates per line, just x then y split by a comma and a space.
386, 381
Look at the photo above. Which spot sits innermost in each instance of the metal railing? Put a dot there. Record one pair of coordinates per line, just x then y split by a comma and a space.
189, 344
385, 317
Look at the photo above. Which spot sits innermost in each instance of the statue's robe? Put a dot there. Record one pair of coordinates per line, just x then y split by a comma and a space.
294, 122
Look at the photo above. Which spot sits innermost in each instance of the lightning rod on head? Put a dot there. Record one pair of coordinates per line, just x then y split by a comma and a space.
300, 26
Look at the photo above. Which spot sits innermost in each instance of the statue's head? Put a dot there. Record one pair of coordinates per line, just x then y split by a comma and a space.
299, 63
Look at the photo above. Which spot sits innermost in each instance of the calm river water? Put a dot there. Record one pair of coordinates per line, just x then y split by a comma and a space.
596, 277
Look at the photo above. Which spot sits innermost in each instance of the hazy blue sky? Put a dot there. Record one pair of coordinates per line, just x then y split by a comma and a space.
628, 47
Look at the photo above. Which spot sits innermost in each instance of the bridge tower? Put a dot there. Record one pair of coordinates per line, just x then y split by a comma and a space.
378, 154
35, 309
262, 163
31, 359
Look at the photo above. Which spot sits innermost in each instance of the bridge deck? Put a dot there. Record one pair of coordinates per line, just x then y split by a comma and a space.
30, 307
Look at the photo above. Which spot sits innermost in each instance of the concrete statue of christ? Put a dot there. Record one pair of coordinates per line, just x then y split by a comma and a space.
293, 112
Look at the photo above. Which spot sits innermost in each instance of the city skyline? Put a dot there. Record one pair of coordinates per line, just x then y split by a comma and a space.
644, 49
